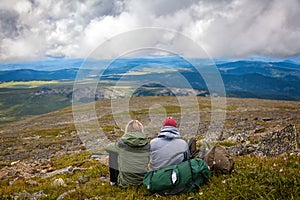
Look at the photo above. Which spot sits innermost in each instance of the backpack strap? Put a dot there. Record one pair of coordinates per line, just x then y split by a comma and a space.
150, 181
192, 174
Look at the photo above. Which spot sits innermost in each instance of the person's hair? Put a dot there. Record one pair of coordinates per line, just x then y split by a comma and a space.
134, 125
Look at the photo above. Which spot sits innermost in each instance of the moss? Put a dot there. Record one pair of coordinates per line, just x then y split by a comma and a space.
70, 160
110, 128
226, 143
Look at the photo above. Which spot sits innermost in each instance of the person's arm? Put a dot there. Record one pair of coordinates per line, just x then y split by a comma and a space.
188, 153
111, 147
113, 162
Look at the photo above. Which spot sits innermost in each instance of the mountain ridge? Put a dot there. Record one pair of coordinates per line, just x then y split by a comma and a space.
282, 78
141, 77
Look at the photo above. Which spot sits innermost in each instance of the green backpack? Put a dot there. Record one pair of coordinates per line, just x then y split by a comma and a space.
174, 179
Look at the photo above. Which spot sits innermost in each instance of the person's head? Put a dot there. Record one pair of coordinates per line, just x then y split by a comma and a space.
169, 121
134, 126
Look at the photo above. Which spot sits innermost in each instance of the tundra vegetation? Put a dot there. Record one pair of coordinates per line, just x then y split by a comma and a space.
42, 157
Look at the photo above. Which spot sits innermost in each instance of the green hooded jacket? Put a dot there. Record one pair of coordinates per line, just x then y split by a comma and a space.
133, 157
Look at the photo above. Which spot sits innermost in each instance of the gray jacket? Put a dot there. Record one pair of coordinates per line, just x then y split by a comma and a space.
167, 149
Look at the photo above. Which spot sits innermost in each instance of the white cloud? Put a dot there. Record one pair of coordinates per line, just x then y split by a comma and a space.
99, 30
31, 29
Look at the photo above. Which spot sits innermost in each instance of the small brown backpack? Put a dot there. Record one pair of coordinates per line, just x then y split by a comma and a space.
219, 160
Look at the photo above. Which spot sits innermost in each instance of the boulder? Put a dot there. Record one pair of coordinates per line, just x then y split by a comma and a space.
59, 182
278, 142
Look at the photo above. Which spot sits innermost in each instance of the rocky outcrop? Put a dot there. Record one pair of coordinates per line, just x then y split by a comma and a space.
271, 144
279, 142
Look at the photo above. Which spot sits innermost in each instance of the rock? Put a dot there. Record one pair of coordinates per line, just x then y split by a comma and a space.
70, 169
226, 134
66, 170
3, 173
63, 195
39, 195
266, 119
103, 178
271, 144
32, 182
104, 160
22, 195
25, 195
83, 179
14, 163
240, 150
59, 182
259, 129
278, 142
13, 181
238, 138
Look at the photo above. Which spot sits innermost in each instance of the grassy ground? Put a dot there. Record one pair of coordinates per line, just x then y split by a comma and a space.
253, 178
28, 84
17, 99
17, 104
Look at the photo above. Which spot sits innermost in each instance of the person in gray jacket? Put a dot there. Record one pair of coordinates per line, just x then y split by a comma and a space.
168, 148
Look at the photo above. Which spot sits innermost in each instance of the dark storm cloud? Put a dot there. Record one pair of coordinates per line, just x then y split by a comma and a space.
9, 26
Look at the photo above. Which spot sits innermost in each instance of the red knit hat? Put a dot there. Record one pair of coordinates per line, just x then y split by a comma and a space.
170, 121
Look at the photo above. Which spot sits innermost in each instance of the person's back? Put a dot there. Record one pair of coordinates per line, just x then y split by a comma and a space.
168, 148
132, 156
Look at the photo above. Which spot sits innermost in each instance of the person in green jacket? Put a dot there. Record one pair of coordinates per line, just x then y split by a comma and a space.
129, 156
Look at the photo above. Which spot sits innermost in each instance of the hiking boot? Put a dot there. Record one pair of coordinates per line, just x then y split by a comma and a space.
192, 145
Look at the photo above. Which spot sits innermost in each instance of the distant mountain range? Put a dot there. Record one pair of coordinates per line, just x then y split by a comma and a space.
29, 75
270, 80
259, 79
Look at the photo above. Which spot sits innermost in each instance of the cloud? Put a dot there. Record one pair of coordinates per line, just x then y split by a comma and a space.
255, 27
33, 29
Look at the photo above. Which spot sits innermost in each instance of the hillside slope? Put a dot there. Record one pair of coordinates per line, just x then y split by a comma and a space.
37, 152
55, 132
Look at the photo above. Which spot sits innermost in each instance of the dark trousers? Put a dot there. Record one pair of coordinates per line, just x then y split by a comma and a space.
113, 166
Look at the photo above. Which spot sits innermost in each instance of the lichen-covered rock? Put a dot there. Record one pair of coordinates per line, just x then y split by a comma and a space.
240, 150
278, 142
238, 138
26, 195
271, 144
83, 179
59, 182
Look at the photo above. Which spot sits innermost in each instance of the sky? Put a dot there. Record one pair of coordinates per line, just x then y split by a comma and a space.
36, 29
